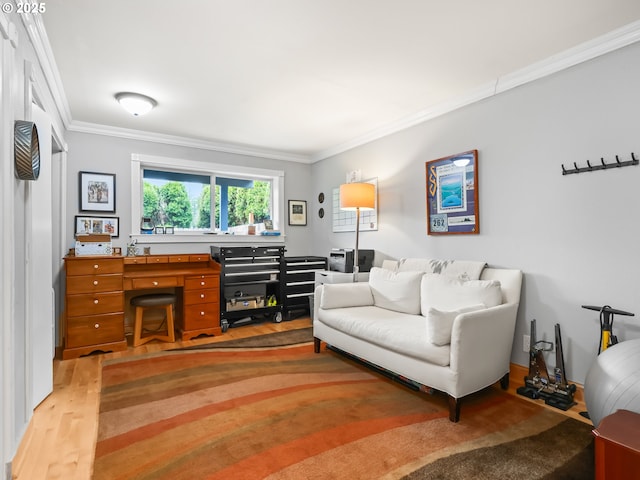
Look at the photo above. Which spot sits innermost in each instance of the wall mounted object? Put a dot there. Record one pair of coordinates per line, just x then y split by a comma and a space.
97, 192
452, 194
321, 197
297, 212
321, 212
97, 225
26, 150
601, 166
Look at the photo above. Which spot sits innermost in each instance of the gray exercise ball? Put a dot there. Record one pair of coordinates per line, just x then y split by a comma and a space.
613, 381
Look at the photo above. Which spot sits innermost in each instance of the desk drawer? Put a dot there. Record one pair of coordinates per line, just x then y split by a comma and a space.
178, 258
197, 297
206, 315
200, 258
94, 266
94, 330
94, 283
201, 282
139, 260
95, 304
156, 282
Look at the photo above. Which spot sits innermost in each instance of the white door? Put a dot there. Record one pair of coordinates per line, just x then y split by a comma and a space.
40, 294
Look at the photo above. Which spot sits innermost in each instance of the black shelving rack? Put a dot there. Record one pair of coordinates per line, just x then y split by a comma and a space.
251, 279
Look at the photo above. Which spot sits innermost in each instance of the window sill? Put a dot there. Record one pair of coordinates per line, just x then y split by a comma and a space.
207, 238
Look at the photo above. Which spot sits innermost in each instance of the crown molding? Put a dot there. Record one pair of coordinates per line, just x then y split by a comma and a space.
237, 149
607, 43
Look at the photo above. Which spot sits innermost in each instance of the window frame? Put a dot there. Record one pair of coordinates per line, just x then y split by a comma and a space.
141, 161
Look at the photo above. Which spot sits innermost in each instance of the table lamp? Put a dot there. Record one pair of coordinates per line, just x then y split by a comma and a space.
357, 196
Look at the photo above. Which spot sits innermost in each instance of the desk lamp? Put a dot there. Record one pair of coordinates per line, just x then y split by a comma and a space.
357, 196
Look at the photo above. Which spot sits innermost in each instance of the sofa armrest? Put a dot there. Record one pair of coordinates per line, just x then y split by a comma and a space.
481, 341
342, 295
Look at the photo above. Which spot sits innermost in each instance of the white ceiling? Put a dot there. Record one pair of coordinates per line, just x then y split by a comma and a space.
308, 78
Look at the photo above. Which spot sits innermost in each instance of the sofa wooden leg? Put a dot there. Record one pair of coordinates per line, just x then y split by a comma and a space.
504, 381
454, 409
316, 345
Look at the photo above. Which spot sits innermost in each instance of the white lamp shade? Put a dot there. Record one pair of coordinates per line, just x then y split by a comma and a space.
357, 195
136, 104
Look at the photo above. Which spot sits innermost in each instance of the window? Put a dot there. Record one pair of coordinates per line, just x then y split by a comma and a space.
181, 197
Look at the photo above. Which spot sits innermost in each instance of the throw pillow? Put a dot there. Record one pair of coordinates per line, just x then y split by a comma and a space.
340, 295
397, 291
440, 323
449, 294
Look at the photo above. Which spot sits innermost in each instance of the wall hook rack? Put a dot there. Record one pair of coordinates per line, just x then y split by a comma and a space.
600, 166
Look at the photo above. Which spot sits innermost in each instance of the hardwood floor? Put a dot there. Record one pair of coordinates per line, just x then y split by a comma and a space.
60, 440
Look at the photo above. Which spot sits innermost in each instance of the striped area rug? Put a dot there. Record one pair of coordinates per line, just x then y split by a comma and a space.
287, 413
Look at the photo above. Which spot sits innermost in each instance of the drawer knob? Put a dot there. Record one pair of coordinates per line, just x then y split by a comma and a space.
202, 314
202, 295
97, 325
95, 282
155, 284
203, 283
96, 266
95, 301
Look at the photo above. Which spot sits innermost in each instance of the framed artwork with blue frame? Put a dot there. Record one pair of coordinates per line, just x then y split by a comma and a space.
452, 194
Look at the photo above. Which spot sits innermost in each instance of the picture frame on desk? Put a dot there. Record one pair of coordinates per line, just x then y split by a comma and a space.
97, 192
84, 225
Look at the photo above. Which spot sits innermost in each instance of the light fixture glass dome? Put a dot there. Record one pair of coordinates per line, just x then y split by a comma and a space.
135, 103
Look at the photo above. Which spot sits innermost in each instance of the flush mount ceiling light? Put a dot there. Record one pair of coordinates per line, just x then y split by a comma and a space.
135, 103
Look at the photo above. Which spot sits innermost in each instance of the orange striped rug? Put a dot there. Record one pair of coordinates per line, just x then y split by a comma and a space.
288, 413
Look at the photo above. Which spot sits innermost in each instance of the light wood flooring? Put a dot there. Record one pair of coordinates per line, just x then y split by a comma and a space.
60, 440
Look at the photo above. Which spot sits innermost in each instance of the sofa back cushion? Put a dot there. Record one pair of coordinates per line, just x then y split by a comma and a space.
342, 295
397, 291
449, 294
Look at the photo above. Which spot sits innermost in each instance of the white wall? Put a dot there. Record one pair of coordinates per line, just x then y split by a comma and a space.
573, 236
100, 153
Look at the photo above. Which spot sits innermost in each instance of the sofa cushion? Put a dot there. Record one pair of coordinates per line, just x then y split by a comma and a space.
395, 331
397, 291
340, 295
440, 323
448, 294
462, 269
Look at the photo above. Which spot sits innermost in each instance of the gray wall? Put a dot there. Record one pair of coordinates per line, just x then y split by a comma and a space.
100, 153
573, 236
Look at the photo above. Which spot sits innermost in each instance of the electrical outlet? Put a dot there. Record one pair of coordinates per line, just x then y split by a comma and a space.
526, 340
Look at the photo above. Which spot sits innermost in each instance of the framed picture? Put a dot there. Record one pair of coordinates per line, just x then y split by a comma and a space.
297, 212
87, 225
97, 192
452, 194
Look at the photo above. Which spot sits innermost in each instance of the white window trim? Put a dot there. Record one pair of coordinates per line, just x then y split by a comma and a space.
139, 161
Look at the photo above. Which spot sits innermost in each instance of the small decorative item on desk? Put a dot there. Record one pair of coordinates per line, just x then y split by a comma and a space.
168, 230
93, 244
146, 225
159, 229
132, 250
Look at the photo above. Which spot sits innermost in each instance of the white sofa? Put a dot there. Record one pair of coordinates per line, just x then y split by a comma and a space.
447, 325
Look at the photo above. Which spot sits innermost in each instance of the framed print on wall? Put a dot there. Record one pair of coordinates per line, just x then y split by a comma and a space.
101, 225
452, 194
297, 212
97, 192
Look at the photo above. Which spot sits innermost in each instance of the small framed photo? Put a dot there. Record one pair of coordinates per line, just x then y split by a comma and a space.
100, 225
297, 212
97, 192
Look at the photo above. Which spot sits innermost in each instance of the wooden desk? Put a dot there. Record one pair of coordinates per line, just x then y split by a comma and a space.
617, 446
95, 297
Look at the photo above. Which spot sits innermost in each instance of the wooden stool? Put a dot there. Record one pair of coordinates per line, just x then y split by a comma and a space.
148, 302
